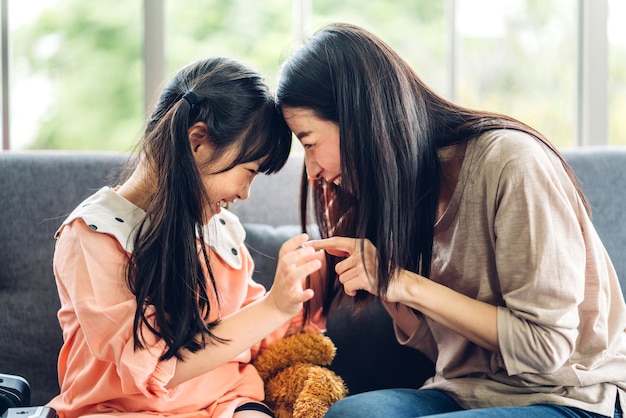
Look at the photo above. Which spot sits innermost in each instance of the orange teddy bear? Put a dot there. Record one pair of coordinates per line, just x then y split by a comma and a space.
296, 382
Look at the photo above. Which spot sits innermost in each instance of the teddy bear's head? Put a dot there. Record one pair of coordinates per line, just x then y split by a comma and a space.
296, 382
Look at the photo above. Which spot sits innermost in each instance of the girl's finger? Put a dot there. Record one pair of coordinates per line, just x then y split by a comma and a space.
307, 268
294, 243
299, 256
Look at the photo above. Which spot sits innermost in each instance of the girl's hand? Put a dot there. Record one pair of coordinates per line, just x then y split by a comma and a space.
295, 263
359, 271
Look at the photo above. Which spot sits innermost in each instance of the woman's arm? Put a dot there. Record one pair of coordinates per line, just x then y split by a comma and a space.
473, 319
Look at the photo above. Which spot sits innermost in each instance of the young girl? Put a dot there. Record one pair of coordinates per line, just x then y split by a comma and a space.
469, 226
159, 313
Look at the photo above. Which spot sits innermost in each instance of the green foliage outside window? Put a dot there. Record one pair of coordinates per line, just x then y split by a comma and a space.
90, 54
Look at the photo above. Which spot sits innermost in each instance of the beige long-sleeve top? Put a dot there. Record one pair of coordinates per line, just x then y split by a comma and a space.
516, 235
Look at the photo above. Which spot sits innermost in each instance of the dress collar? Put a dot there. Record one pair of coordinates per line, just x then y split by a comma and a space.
106, 211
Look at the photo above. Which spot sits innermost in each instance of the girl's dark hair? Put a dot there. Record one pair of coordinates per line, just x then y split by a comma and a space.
391, 126
165, 271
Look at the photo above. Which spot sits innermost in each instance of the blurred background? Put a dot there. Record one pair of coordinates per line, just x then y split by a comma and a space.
83, 74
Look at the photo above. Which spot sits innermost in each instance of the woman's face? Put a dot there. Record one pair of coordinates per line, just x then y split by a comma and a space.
320, 139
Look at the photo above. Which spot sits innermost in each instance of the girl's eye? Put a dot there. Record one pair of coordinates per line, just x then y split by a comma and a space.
307, 146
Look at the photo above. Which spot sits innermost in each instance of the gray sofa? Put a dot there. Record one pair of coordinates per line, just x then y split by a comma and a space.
38, 189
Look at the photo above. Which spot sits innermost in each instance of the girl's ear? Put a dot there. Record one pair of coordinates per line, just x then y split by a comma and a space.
199, 139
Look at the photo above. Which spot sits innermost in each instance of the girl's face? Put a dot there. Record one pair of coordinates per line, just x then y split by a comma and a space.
227, 186
320, 139
222, 187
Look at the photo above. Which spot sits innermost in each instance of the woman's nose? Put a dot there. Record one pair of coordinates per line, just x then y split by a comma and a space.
313, 170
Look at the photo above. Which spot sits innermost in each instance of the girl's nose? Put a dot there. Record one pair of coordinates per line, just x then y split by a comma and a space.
244, 193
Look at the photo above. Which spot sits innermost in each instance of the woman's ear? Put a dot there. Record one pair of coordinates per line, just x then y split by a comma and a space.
199, 137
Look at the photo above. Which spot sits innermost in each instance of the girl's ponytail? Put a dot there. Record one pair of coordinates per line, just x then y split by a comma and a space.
165, 270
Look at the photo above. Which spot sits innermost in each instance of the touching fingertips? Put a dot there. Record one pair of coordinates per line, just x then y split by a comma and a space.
307, 250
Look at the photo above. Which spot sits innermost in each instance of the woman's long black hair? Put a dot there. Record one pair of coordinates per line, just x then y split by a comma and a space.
165, 270
391, 126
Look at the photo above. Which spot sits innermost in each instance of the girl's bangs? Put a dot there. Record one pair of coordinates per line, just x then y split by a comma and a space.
268, 140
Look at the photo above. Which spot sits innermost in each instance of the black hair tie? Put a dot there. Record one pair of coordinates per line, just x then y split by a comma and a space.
191, 98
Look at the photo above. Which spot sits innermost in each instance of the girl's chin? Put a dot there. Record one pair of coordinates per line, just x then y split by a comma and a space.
214, 209
217, 207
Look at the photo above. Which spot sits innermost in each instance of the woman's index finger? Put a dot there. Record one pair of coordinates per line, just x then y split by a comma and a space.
340, 246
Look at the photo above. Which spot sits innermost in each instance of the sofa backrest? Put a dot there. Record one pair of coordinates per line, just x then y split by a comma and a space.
601, 173
38, 189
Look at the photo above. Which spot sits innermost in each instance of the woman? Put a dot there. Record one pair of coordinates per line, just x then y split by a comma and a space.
468, 225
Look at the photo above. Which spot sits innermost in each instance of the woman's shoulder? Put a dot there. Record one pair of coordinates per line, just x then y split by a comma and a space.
508, 147
504, 157
510, 143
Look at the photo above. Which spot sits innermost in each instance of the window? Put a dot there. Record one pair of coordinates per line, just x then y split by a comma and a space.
416, 29
257, 33
80, 75
617, 73
519, 58
76, 74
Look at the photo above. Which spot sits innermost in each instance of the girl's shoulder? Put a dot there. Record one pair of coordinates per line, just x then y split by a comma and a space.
225, 235
109, 213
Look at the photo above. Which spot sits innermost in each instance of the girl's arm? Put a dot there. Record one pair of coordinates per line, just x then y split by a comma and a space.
251, 324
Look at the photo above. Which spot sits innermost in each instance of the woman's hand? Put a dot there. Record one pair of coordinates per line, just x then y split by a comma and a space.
359, 271
471, 318
295, 263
